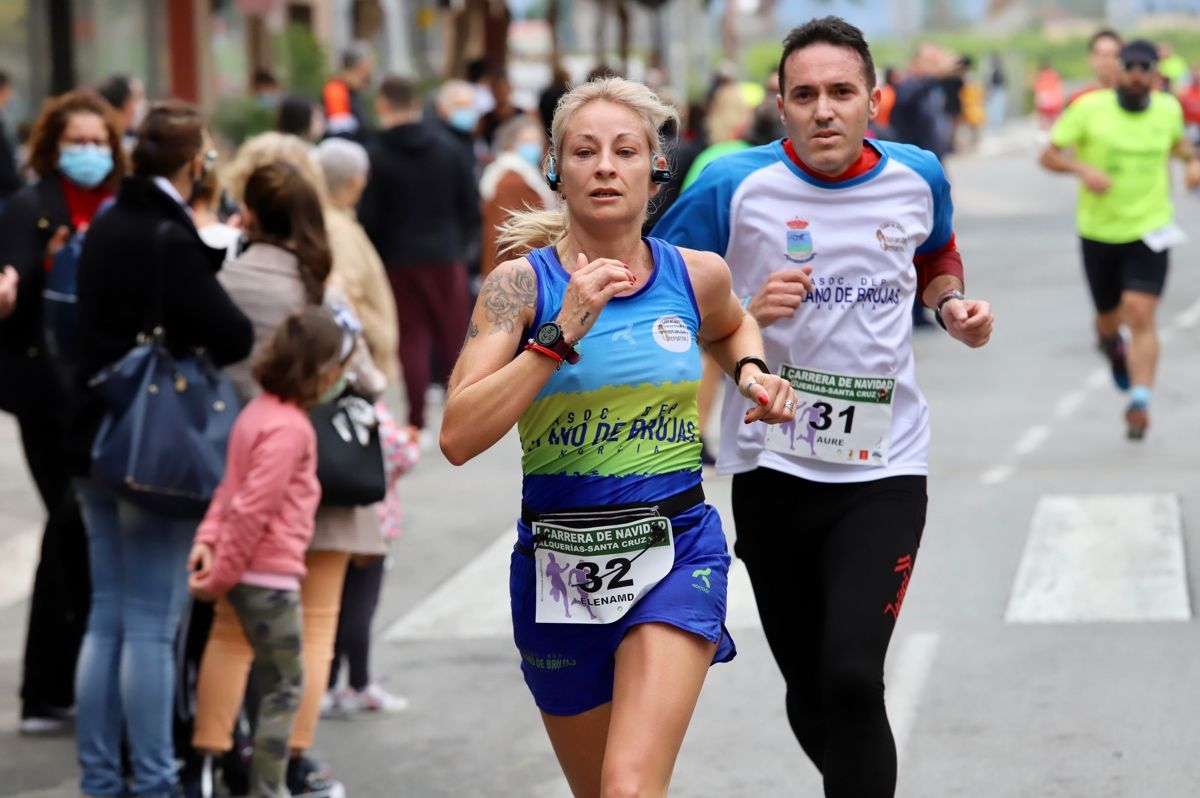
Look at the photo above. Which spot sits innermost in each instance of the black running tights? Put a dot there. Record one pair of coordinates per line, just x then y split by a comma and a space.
830, 564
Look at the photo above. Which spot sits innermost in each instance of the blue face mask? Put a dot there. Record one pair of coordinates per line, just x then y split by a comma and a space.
85, 165
531, 152
463, 120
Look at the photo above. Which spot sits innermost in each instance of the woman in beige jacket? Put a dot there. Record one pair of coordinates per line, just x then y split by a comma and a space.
357, 268
278, 274
360, 272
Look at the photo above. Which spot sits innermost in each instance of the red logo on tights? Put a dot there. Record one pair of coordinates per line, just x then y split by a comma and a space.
904, 565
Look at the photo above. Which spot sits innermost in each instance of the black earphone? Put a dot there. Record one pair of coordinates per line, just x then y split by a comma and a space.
657, 176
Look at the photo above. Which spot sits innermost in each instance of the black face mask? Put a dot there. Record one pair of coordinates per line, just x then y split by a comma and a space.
1136, 102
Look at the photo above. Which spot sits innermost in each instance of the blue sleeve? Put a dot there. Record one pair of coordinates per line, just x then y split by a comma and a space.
699, 219
927, 166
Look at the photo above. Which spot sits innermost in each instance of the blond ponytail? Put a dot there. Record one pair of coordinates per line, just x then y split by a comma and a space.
530, 229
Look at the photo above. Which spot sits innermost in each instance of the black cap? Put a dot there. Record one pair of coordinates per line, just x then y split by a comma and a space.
1139, 51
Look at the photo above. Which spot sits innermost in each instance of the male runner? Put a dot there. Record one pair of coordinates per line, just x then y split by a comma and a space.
1104, 57
829, 236
1122, 141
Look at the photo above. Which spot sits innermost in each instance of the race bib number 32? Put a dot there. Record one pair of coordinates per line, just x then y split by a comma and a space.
840, 418
596, 575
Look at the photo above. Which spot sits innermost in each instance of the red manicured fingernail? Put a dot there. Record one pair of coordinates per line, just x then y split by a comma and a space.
762, 400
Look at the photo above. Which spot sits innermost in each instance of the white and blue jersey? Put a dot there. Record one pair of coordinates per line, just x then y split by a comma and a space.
764, 214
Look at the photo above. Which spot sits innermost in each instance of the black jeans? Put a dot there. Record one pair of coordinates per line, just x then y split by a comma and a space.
58, 608
830, 565
360, 597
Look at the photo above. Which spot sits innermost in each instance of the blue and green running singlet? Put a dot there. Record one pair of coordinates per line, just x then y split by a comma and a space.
621, 425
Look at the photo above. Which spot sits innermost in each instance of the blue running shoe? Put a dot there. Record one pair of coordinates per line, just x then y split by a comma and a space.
1114, 349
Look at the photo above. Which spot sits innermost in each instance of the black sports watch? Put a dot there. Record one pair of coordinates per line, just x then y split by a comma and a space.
550, 335
937, 312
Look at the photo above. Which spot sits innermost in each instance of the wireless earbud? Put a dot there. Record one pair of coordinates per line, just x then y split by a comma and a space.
660, 176
552, 174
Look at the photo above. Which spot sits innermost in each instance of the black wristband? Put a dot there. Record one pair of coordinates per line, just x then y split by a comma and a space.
937, 312
737, 369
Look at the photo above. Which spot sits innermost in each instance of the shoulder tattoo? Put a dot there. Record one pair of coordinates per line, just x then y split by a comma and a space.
506, 293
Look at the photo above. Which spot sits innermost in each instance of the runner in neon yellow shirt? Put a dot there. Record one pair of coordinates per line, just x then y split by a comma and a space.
1119, 143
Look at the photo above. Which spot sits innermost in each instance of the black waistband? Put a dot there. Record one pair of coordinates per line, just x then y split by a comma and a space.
619, 513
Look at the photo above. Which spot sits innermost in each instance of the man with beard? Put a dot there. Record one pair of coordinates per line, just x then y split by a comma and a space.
1119, 143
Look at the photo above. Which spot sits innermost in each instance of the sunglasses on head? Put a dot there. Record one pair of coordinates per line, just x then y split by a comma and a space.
1145, 66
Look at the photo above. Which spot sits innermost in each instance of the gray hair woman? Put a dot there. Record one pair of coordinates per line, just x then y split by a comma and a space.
357, 268
513, 182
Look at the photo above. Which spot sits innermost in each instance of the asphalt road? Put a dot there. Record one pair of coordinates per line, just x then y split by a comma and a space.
1046, 647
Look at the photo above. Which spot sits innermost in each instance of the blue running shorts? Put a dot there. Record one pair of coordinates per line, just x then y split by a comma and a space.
569, 667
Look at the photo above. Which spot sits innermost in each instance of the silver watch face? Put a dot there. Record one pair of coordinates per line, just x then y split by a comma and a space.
548, 334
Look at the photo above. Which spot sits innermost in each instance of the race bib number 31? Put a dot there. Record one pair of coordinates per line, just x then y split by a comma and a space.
596, 575
840, 418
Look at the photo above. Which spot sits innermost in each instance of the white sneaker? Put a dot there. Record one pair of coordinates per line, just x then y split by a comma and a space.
373, 699
331, 703
41, 726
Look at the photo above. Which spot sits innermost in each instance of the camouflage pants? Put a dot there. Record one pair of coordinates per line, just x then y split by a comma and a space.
271, 620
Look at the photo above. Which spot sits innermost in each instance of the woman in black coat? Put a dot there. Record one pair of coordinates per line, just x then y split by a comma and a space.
75, 151
138, 556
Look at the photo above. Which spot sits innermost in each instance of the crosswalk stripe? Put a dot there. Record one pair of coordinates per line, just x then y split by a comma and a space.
1115, 558
473, 602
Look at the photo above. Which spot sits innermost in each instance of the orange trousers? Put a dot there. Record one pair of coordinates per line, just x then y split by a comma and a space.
225, 666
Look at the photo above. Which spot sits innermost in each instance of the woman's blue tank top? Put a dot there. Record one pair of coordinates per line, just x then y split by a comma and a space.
621, 425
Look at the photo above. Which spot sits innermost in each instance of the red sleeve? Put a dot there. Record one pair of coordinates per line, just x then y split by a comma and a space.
946, 260
337, 98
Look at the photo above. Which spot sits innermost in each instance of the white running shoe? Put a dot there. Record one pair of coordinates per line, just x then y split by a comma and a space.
373, 699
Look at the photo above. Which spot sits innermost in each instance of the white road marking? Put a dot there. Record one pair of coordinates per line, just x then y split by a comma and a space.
1069, 403
906, 675
1112, 558
996, 475
741, 611
1189, 318
19, 553
1098, 378
473, 603
1031, 439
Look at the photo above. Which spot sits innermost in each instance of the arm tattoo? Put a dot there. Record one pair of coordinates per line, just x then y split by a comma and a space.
505, 294
473, 330
586, 316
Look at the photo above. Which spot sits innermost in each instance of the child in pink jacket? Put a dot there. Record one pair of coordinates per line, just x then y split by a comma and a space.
250, 546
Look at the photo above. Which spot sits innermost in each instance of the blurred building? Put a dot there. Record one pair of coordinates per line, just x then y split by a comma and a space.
200, 50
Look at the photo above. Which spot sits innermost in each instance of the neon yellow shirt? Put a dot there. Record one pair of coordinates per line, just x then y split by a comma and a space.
1132, 148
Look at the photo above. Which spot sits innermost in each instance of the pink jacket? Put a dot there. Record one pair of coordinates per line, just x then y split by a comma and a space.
261, 516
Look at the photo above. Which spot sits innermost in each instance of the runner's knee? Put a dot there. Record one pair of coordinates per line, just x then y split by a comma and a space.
627, 782
1138, 313
851, 688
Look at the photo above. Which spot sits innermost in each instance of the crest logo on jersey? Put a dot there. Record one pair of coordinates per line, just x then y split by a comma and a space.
892, 237
799, 242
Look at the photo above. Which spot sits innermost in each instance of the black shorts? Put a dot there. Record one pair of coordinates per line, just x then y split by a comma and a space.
1114, 268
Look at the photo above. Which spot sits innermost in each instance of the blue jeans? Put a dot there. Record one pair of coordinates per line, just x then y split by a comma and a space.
125, 680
